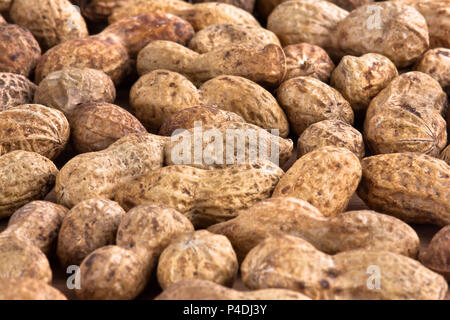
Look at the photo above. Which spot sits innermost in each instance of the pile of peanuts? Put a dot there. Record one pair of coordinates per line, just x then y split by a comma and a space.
112, 166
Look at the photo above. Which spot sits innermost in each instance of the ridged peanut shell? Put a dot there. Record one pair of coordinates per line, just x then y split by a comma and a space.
222, 35
333, 133
305, 59
247, 5
207, 290
68, 88
437, 255
307, 100
99, 174
158, 95
24, 177
39, 223
19, 50
186, 118
219, 150
28, 289
34, 127
90, 225
266, 66
50, 21
95, 126
412, 187
310, 21
15, 90
436, 63
19, 258
188, 190
102, 52
326, 178
292, 263
360, 79
392, 29
198, 255
247, 99
351, 230
149, 229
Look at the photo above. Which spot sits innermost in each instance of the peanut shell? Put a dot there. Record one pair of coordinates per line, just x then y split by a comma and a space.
326, 178
19, 50
15, 90
28, 289
24, 177
412, 187
445, 155
307, 100
90, 225
437, 255
198, 255
34, 127
292, 263
188, 190
68, 88
436, 63
50, 21
95, 126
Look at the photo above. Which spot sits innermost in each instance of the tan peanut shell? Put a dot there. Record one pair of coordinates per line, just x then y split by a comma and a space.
292, 263
310, 21
351, 230
305, 59
436, 63
221, 35
5, 5
90, 225
19, 50
99, 174
265, 66
68, 88
39, 223
186, 118
326, 178
331, 133
437, 255
437, 15
360, 79
247, 99
102, 52
138, 31
160, 94
307, 100
445, 155
198, 255
24, 177
413, 187
207, 290
405, 116
219, 150
188, 190
112, 273
149, 229
19, 258
28, 289
34, 127
95, 126
15, 90
392, 29
2, 20
199, 15
50, 21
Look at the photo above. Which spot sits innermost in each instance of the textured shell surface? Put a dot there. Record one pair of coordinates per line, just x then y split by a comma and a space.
15, 90
24, 177
34, 127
